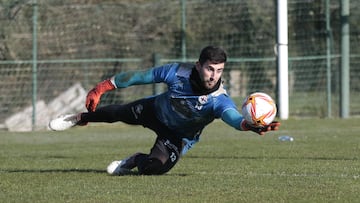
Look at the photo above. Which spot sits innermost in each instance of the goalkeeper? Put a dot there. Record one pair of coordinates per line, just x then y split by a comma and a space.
194, 98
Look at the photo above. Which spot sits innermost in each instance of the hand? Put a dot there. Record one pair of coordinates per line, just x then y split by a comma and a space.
93, 97
260, 130
92, 100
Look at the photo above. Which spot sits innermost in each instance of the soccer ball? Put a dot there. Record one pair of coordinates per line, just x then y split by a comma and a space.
259, 109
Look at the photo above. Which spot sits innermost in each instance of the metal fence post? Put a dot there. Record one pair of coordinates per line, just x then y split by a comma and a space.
345, 60
34, 64
183, 30
328, 59
157, 88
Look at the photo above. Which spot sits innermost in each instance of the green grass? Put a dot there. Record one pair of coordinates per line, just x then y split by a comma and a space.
321, 165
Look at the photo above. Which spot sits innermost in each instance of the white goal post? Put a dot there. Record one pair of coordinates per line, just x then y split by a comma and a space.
282, 59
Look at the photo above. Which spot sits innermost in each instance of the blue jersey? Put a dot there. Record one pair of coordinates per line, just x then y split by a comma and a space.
180, 108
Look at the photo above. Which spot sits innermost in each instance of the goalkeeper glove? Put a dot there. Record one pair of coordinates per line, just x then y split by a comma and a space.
261, 130
93, 97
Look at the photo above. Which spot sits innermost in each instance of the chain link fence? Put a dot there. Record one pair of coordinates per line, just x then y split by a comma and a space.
80, 43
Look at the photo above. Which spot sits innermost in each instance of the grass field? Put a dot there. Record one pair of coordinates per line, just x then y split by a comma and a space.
321, 165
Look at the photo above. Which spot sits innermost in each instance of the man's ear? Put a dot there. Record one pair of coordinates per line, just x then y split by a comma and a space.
197, 65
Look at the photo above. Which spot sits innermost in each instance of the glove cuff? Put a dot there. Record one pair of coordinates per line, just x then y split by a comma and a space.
244, 125
104, 86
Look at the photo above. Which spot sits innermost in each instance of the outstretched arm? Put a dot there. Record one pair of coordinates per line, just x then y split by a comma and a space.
120, 80
127, 79
233, 118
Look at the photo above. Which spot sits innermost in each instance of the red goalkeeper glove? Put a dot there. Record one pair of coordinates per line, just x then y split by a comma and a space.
260, 130
93, 97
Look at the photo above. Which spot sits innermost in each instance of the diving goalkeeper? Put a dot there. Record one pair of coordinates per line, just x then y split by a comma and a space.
194, 98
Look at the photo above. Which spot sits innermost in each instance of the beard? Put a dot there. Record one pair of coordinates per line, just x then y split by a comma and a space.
209, 84
202, 87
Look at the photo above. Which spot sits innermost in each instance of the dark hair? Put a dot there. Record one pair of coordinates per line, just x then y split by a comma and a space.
213, 54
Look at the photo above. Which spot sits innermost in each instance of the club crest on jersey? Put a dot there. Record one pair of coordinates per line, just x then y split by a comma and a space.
203, 99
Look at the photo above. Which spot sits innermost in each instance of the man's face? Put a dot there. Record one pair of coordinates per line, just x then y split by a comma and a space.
210, 73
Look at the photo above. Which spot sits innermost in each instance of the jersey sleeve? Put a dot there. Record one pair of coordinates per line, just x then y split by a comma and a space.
126, 79
226, 109
165, 73
152, 75
232, 117
228, 112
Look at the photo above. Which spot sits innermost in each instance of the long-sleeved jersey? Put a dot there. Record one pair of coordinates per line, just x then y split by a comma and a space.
180, 108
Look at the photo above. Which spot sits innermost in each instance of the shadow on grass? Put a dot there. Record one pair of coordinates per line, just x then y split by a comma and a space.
73, 170
271, 157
